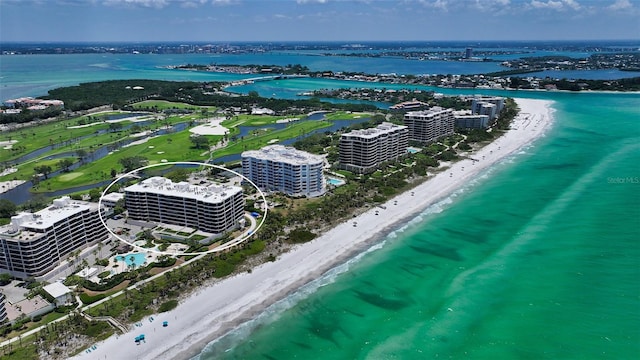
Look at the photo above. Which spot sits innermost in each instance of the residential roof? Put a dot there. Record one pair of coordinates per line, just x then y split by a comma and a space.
56, 289
163, 186
285, 154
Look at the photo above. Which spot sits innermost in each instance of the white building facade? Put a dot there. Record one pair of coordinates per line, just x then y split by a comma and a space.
429, 125
487, 105
3, 309
465, 120
35, 243
362, 151
215, 209
285, 169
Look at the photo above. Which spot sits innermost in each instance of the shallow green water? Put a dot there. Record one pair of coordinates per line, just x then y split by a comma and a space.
537, 259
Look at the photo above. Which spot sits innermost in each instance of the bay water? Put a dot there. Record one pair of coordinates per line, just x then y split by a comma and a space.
537, 258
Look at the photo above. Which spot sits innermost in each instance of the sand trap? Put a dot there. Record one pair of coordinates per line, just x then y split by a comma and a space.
213, 127
8, 185
7, 145
216, 309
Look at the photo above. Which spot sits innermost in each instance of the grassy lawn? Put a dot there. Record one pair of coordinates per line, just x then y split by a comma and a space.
59, 133
169, 147
255, 120
25, 169
258, 141
174, 147
344, 115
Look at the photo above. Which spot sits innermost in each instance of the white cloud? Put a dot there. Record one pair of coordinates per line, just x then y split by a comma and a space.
312, 1
621, 5
144, 3
193, 3
572, 4
557, 5
491, 5
436, 4
224, 2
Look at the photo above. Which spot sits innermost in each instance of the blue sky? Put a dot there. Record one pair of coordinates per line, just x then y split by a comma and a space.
317, 20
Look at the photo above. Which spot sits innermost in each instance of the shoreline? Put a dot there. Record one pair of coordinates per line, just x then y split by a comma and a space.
214, 310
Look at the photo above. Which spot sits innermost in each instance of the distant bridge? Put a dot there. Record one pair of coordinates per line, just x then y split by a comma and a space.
269, 78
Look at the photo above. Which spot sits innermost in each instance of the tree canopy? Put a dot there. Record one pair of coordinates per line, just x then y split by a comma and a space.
133, 162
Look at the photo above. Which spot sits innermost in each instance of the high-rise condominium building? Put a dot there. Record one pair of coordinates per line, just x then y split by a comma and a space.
362, 151
35, 243
429, 125
3, 309
285, 169
214, 209
487, 105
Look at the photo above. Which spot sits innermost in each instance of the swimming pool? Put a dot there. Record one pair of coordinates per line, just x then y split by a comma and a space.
136, 259
335, 182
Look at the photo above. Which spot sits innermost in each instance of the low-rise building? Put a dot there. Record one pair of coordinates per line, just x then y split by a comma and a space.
465, 120
429, 125
286, 170
61, 294
35, 243
215, 208
362, 151
31, 103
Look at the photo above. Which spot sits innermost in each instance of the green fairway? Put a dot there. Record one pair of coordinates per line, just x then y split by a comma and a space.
170, 147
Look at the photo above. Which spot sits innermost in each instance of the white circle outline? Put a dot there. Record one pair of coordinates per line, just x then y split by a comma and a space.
225, 246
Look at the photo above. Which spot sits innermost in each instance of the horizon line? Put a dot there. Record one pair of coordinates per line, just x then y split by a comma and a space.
293, 41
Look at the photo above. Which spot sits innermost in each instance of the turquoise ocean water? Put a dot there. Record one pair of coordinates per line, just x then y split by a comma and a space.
538, 258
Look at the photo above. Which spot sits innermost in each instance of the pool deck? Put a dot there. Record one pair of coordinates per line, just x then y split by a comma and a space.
121, 266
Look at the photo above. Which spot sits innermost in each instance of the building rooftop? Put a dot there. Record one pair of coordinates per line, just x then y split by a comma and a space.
163, 186
383, 128
56, 289
433, 111
284, 154
61, 209
113, 197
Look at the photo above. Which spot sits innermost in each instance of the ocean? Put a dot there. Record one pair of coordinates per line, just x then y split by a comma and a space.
537, 258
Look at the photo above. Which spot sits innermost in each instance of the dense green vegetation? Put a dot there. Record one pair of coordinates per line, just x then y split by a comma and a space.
118, 92
29, 115
300, 235
121, 94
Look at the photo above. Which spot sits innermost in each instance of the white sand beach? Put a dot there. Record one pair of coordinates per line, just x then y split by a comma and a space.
217, 309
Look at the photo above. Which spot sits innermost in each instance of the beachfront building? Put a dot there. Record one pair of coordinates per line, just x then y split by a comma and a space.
61, 294
487, 105
285, 169
3, 309
214, 209
35, 243
429, 125
362, 151
466, 120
